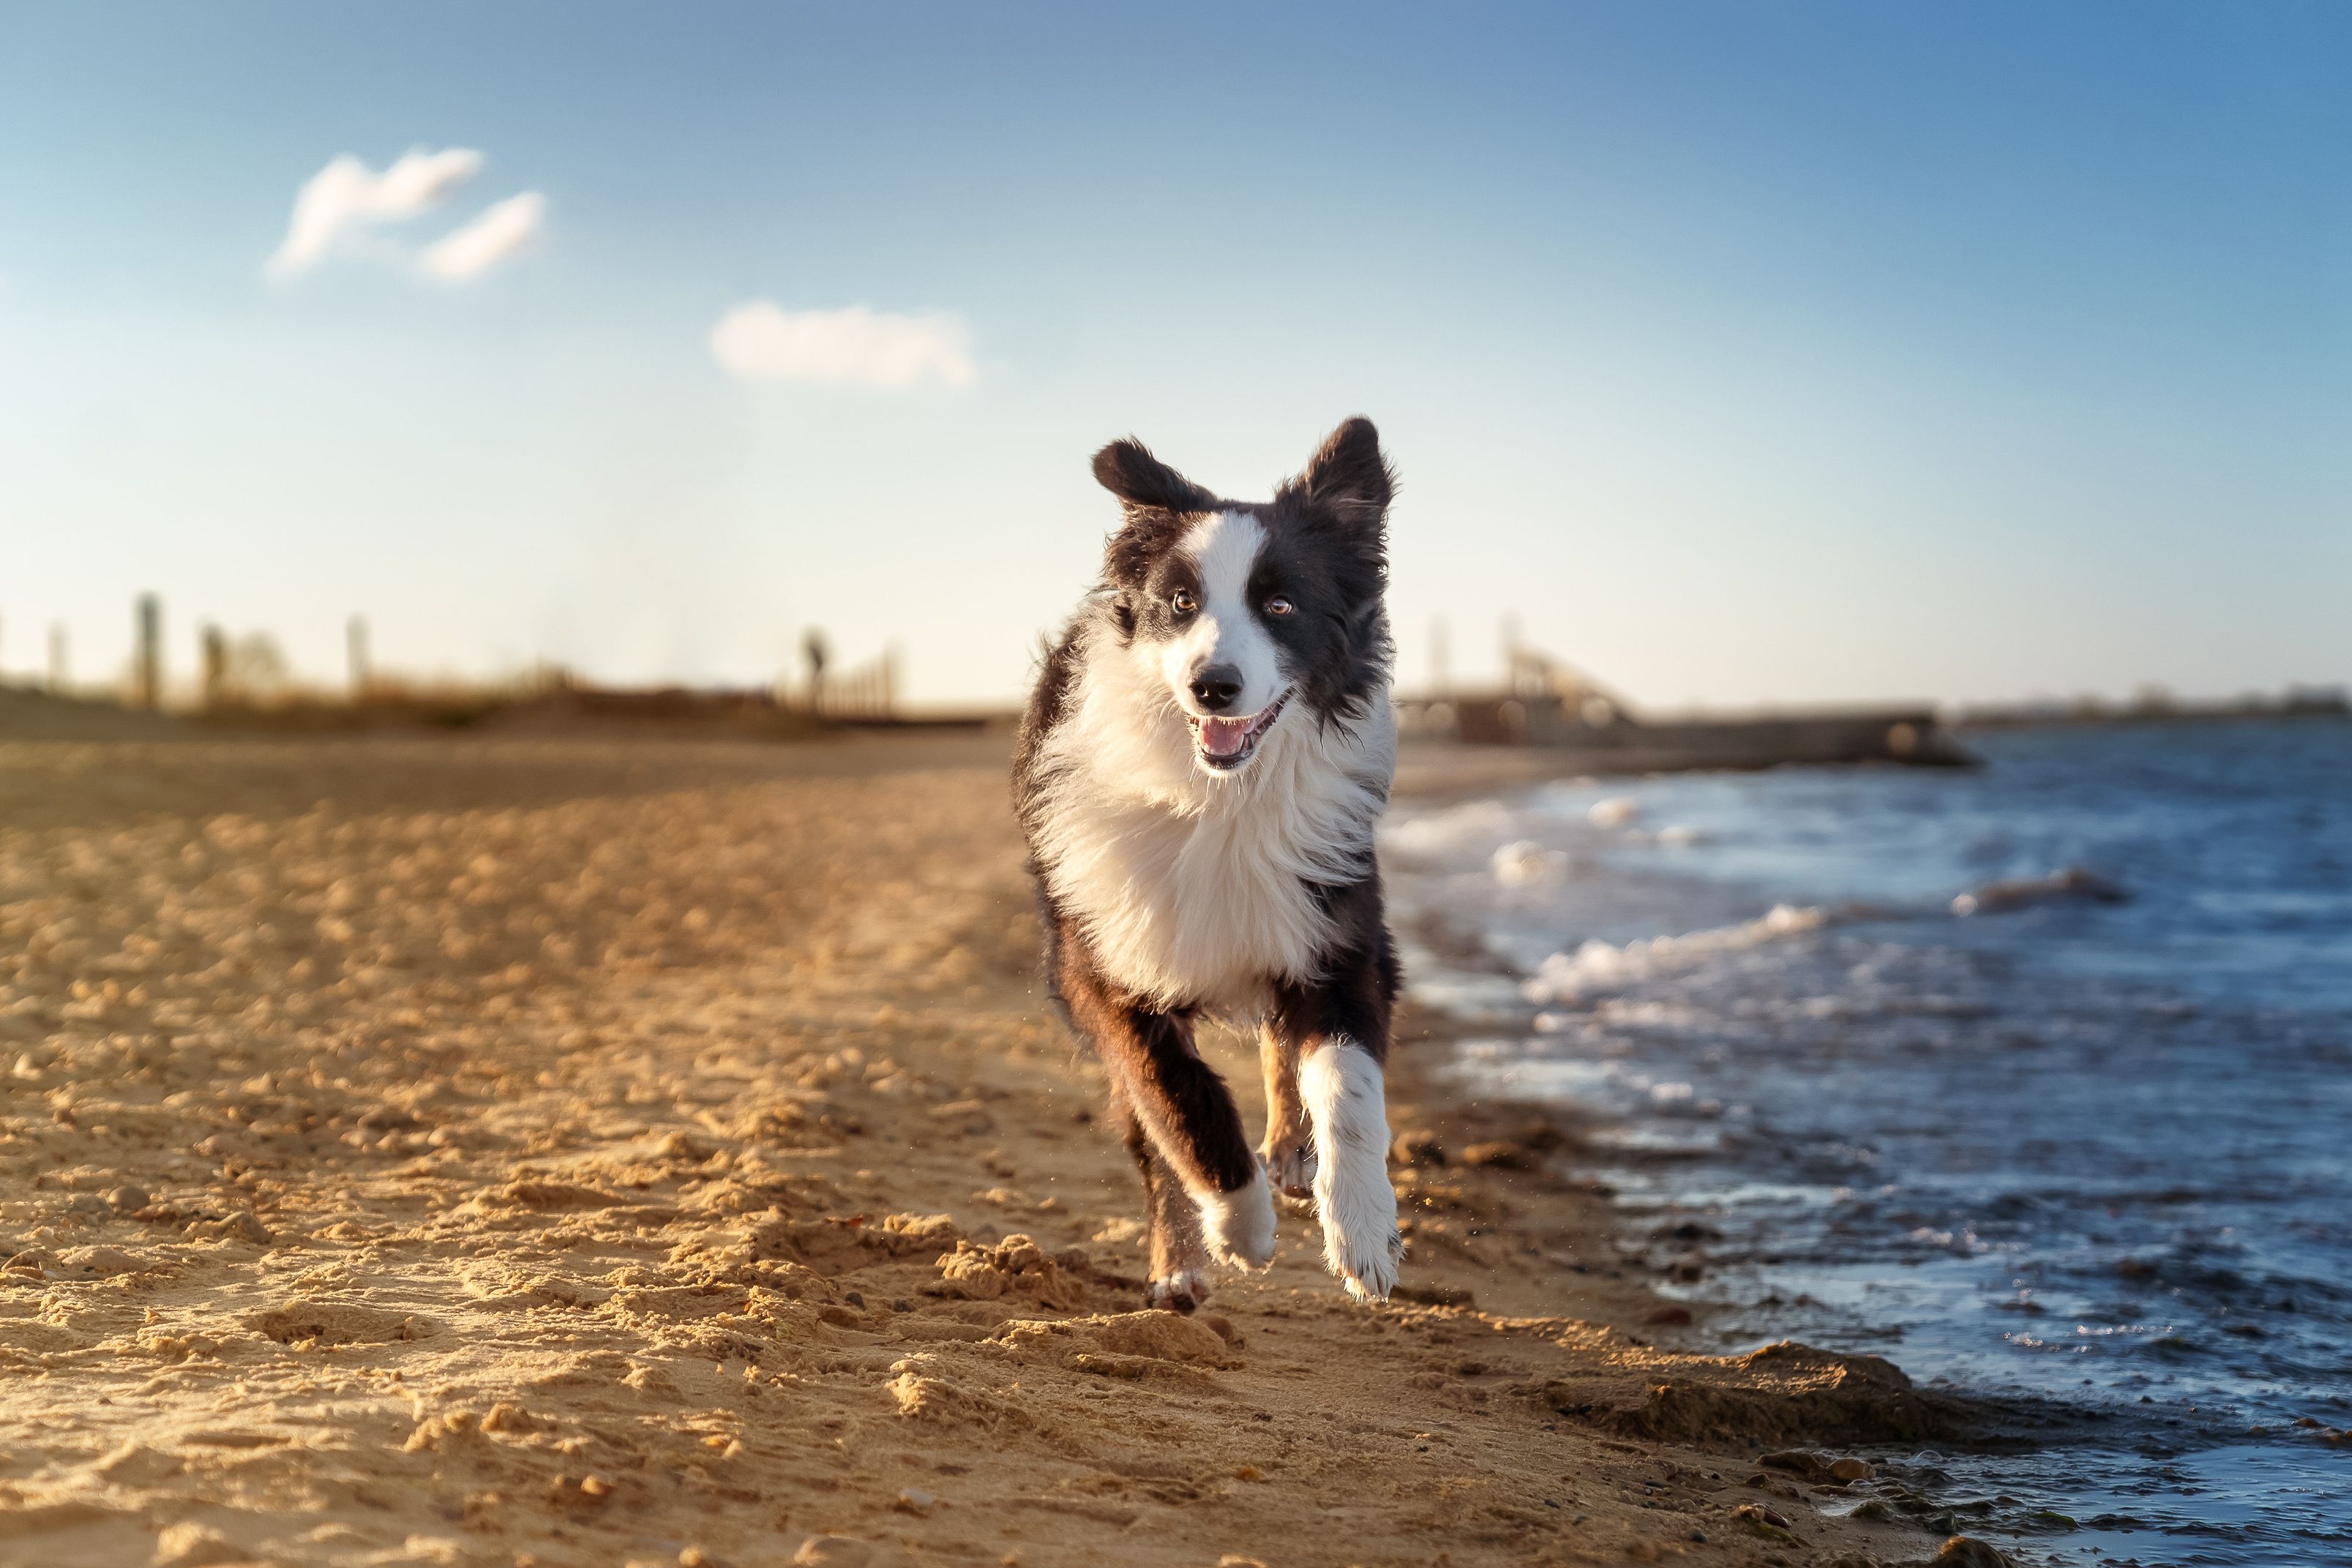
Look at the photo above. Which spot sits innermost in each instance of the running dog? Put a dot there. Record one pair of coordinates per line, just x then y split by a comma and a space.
1198, 776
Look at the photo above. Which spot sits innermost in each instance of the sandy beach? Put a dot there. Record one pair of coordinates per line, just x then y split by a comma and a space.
552, 1151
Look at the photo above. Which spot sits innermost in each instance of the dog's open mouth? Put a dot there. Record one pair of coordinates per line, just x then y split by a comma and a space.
1227, 743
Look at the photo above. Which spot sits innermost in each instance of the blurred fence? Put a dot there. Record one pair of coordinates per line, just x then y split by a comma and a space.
866, 691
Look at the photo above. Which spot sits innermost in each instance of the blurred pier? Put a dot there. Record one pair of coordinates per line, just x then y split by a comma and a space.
1583, 726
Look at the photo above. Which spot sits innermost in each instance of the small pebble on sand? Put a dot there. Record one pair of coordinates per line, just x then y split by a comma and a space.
1968, 1552
1418, 1146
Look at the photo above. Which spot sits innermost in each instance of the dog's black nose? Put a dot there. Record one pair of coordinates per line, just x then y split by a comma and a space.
1215, 688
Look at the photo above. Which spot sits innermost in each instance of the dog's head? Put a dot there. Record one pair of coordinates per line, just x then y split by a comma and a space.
1250, 611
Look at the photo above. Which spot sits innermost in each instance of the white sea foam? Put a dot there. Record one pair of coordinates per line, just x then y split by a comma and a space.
1439, 835
1614, 812
1523, 862
1598, 967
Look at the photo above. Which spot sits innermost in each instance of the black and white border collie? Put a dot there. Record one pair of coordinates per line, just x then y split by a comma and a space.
1198, 775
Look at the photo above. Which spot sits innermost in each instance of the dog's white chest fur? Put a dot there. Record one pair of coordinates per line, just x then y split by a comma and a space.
1192, 889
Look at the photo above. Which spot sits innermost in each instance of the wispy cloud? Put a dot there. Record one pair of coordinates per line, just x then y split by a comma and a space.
347, 195
853, 346
489, 239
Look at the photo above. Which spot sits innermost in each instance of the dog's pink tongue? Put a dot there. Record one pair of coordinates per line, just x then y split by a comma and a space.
1224, 737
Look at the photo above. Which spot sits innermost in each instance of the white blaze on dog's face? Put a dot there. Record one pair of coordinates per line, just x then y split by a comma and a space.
1224, 664
1239, 611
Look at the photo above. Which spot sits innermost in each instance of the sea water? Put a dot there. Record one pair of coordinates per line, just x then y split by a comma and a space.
2035, 1079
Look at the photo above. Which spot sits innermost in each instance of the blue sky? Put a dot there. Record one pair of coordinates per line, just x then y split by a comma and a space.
1743, 353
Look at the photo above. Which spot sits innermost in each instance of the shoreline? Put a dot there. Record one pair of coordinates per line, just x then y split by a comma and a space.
526, 1152
1798, 1115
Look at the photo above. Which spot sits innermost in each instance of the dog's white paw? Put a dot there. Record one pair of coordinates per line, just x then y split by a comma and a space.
1366, 1260
1344, 1095
1290, 1164
1238, 1226
1357, 1208
1179, 1291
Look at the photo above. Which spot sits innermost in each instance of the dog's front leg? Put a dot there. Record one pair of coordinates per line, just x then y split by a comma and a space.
1187, 1115
1339, 1026
1343, 1085
1195, 1131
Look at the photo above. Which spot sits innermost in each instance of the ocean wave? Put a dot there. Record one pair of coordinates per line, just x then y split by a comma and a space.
2019, 892
1523, 862
1598, 967
1616, 812
1440, 835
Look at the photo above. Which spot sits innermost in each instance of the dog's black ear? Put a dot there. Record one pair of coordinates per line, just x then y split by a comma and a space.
1348, 479
1143, 483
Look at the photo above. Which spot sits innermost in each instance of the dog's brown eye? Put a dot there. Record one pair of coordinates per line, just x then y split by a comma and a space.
1183, 602
1277, 605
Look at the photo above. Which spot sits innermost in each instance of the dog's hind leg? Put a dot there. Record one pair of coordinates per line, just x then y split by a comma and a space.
1183, 1106
1179, 1262
1289, 1147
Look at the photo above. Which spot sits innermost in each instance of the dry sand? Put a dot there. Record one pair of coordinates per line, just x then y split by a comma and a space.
558, 1151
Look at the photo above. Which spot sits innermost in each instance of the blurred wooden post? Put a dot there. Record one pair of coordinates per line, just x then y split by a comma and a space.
148, 670
812, 647
60, 676
1441, 659
890, 682
216, 648
355, 647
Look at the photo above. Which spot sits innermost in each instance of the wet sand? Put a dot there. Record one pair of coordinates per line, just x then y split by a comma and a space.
573, 1151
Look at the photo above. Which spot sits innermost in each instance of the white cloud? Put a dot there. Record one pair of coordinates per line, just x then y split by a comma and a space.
347, 195
760, 341
479, 246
